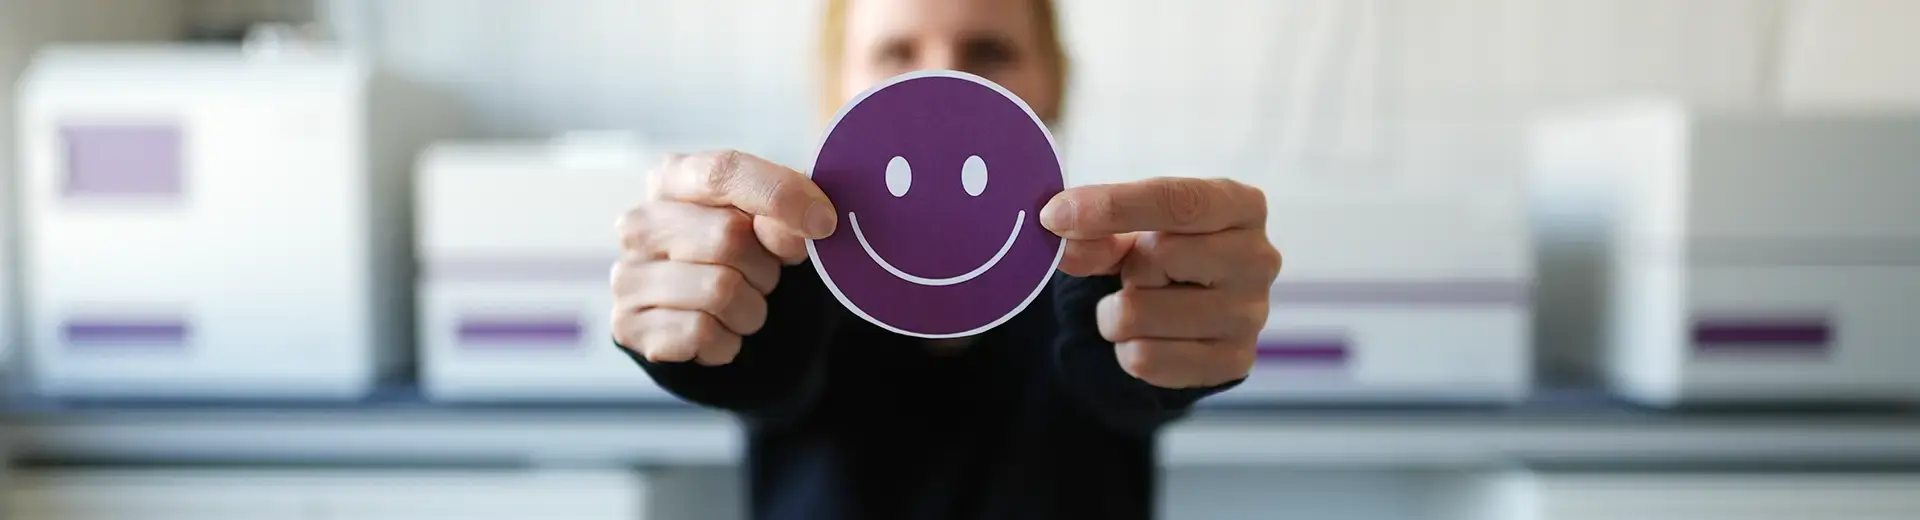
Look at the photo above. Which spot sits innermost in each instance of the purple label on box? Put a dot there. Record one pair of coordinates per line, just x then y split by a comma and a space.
498, 332
95, 332
1309, 350
1797, 335
121, 160
939, 178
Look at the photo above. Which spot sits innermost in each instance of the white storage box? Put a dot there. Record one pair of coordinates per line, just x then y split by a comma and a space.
1683, 496
1408, 282
315, 494
516, 243
1740, 257
205, 222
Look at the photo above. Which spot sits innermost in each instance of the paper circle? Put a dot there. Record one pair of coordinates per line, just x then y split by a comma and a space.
947, 253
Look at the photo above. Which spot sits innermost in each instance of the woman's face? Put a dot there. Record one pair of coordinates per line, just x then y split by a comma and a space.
996, 39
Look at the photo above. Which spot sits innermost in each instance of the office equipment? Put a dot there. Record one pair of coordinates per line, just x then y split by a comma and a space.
208, 222
516, 242
1735, 257
1681, 495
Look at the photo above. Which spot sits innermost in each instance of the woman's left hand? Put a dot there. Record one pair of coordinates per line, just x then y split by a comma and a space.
1196, 270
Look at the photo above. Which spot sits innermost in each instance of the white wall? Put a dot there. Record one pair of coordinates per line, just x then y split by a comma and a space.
1851, 54
1202, 86
710, 73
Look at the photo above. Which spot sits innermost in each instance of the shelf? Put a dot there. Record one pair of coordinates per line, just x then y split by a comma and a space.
408, 431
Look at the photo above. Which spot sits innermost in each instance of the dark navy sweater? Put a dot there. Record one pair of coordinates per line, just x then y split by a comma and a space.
847, 421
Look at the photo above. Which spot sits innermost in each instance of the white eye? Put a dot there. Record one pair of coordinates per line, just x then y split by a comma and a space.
899, 176
973, 175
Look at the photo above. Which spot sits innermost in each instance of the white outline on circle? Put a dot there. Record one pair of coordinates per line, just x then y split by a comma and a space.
814, 255
938, 282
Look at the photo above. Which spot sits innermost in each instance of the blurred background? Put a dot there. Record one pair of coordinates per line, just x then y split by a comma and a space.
1547, 259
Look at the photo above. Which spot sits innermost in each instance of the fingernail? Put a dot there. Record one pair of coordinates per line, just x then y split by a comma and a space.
1058, 216
820, 220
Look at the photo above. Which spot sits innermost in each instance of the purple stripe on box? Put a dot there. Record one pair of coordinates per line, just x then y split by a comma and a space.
125, 332
1275, 349
124, 160
1802, 335
1434, 293
524, 269
504, 332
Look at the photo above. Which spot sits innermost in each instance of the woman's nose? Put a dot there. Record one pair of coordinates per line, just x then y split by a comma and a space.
941, 57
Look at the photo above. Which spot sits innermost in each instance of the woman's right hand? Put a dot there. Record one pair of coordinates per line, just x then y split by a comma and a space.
705, 249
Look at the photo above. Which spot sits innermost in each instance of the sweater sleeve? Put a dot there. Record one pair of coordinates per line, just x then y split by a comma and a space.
1090, 370
778, 370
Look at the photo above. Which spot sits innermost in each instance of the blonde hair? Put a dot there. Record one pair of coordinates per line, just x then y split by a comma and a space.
832, 48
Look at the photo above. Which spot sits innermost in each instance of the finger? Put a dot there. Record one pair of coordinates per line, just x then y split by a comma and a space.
678, 336
717, 290
699, 234
752, 184
787, 245
1178, 313
1232, 258
719, 346
1186, 363
1178, 205
1095, 256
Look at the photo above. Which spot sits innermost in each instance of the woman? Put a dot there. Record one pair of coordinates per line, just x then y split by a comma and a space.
1163, 289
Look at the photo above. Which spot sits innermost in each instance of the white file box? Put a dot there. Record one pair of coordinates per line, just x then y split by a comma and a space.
1736, 258
1522, 495
1407, 282
292, 495
208, 222
516, 245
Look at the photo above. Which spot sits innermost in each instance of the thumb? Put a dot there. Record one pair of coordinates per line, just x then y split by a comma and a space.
789, 244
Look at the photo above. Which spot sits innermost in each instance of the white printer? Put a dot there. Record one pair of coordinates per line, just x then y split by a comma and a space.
516, 243
1735, 257
211, 222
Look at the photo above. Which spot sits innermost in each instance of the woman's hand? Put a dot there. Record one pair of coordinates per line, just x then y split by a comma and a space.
1196, 269
704, 250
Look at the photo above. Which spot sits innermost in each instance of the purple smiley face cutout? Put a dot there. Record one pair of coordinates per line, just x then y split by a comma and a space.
939, 178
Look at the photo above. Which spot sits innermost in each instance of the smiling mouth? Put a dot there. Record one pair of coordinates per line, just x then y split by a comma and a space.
1019, 219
